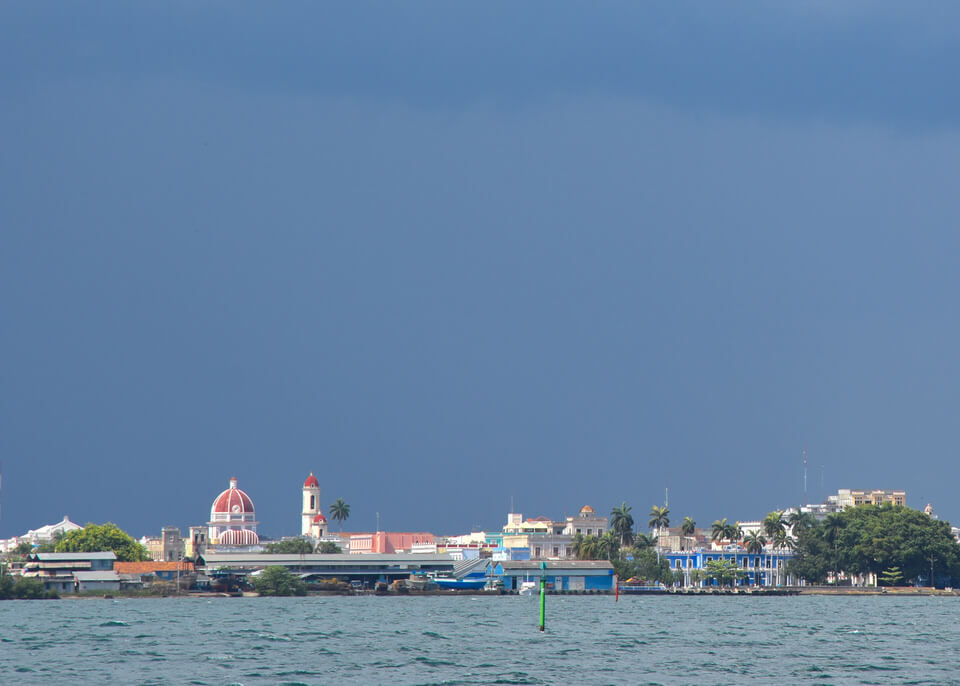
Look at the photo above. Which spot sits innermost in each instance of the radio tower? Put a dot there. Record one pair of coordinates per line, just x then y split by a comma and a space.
804, 477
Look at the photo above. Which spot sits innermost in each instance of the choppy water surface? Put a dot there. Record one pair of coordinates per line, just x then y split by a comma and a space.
472, 640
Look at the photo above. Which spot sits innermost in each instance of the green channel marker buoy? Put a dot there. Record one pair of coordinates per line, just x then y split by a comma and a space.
543, 596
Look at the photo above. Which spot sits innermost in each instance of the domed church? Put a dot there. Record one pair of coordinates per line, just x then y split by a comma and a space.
233, 520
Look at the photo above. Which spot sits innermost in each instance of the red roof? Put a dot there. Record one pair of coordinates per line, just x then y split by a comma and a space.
233, 500
311, 482
319, 517
150, 567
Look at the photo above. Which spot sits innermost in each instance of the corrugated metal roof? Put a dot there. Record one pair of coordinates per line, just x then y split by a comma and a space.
55, 557
556, 565
261, 559
96, 576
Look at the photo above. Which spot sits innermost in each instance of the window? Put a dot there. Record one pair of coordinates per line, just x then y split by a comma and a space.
313, 502
589, 532
556, 551
579, 532
679, 563
689, 563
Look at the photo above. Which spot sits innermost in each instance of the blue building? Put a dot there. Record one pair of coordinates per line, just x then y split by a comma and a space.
561, 575
767, 568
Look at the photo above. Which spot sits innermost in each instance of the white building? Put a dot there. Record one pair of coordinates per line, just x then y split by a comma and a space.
44, 534
587, 522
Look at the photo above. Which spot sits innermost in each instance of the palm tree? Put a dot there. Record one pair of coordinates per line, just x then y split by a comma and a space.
659, 519
576, 545
589, 549
641, 541
800, 522
621, 522
755, 542
607, 546
833, 526
689, 527
340, 511
718, 530
773, 523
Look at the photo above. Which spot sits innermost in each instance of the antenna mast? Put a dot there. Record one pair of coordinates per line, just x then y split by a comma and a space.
804, 476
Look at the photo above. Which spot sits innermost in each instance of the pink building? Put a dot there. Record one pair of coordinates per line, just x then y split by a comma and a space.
387, 541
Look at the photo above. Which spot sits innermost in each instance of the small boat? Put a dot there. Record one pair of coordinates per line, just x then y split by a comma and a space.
460, 584
527, 588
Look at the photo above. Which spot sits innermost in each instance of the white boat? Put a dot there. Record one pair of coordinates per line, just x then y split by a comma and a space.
527, 588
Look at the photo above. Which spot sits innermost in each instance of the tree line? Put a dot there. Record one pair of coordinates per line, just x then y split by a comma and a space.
897, 544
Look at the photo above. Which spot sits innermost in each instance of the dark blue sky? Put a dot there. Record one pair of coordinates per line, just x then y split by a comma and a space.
443, 255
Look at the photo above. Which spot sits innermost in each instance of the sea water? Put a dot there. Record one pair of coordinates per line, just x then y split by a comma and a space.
482, 640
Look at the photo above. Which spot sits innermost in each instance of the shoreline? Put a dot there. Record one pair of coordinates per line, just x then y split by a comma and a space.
898, 592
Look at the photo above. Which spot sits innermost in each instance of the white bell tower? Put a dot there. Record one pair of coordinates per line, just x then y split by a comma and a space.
311, 503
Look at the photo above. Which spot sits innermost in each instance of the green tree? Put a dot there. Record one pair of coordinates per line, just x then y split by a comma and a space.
725, 572
95, 538
340, 511
6, 585
621, 523
328, 548
278, 581
608, 546
23, 549
648, 567
722, 530
659, 519
642, 540
801, 521
891, 577
755, 542
833, 527
28, 588
289, 546
589, 548
689, 527
773, 523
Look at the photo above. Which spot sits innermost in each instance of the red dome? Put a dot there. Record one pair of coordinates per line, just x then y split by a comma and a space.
232, 501
319, 518
311, 482
239, 537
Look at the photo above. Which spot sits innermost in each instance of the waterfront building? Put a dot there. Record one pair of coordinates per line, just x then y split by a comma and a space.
563, 575
168, 571
233, 519
196, 543
389, 542
673, 538
535, 538
69, 572
168, 546
344, 567
767, 568
43, 534
587, 522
